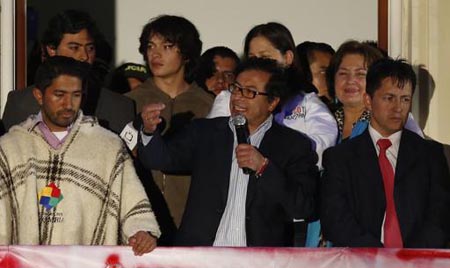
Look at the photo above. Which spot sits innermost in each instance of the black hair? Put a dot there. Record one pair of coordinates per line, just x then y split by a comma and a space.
277, 84
369, 53
399, 70
207, 67
179, 31
56, 66
278, 35
305, 52
281, 38
69, 22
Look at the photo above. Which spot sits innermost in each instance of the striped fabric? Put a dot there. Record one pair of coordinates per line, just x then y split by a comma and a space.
231, 231
100, 200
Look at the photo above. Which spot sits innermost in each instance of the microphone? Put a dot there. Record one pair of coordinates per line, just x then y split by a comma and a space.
240, 124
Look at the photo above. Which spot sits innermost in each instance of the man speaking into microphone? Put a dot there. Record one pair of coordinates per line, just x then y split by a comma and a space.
226, 206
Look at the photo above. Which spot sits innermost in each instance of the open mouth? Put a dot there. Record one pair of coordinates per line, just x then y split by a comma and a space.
351, 90
239, 108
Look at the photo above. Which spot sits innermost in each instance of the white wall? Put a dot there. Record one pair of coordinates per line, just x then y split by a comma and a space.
6, 50
419, 32
227, 22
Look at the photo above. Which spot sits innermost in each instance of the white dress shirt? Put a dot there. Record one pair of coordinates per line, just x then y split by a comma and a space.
231, 231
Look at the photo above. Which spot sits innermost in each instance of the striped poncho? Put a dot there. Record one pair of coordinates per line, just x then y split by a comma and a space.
84, 193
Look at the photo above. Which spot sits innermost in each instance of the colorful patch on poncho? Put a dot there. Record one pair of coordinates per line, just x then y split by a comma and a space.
50, 196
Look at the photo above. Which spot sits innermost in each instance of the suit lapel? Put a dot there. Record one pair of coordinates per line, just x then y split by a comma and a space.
264, 148
223, 135
406, 157
366, 164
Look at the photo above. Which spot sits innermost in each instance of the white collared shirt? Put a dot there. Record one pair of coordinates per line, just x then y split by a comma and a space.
392, 151
231, 231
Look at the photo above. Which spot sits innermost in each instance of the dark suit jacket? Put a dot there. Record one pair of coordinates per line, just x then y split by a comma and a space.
353, 200
286, 190
113, 110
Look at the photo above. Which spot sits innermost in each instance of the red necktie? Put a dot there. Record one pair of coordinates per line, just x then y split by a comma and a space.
392, 234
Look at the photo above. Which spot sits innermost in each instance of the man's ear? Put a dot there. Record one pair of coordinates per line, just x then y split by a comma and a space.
38, 95
367, 101
274, 104
289, 57
51, 50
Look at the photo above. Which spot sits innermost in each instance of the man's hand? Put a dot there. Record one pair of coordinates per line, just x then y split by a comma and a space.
150, 116
248, 156
142, 242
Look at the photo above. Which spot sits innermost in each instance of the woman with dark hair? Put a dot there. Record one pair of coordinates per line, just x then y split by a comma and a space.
346, 78
303, 110
273, 40
314, 59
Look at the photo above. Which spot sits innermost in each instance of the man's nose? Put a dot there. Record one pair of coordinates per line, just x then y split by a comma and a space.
84, 55
237, 95
220, 77
155, 52
398, 105
68, 102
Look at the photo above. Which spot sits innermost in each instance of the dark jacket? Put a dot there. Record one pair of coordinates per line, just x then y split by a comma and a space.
286, 190
353, 199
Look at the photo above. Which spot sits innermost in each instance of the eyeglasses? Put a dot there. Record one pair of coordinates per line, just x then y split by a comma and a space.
246, 92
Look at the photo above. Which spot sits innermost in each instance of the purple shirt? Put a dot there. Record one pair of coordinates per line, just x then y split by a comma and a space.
49, 136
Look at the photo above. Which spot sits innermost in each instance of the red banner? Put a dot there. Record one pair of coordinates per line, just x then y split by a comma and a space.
205, 257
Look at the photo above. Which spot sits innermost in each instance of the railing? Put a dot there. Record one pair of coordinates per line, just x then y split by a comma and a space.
205, 257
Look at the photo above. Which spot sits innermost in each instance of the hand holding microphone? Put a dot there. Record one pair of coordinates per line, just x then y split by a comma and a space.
248, 157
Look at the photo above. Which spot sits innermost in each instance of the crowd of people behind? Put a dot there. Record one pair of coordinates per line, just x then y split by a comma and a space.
285, 146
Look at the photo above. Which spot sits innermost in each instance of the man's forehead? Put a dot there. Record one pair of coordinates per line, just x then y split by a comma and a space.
154, 36
66, 79
393, 83
253, 73
81, 37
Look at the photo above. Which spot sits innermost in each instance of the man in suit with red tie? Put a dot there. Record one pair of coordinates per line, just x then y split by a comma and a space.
388, 187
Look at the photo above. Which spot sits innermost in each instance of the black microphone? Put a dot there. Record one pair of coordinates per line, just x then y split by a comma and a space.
243, 136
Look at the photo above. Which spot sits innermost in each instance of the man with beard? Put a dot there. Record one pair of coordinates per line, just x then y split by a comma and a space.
64, 179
